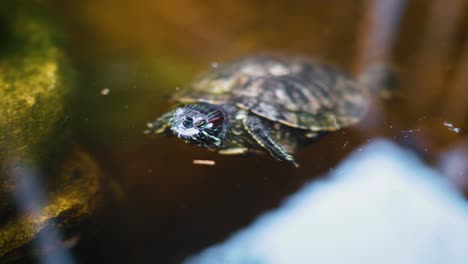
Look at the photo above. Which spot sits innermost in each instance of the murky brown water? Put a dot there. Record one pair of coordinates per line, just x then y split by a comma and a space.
160, 207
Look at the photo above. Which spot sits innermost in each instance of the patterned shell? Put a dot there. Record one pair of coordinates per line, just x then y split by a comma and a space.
292, 91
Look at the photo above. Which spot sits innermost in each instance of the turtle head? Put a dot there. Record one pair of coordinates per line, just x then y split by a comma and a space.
200, 124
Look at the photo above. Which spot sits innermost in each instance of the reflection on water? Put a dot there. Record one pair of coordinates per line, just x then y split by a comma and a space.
160, 207
377, 199
453, 164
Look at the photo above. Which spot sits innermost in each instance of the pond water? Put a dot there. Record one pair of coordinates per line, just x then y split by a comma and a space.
156, 206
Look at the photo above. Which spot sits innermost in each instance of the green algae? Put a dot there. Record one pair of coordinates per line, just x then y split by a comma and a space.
35, 79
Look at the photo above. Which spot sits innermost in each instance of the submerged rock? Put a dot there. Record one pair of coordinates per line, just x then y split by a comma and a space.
74, 196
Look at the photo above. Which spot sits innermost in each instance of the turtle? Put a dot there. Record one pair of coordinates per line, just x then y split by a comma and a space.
267, 104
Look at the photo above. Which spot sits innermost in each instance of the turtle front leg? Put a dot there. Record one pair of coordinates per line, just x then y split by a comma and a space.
160, 125
259, 129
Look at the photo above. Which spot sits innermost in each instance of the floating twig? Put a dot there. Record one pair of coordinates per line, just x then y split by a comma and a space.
204, 162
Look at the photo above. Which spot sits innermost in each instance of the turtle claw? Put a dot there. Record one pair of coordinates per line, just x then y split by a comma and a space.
259, 130
293, 162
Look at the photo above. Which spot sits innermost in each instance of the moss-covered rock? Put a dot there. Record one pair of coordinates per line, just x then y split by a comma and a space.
35, 79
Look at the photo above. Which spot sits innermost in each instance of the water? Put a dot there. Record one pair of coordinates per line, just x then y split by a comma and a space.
130, 57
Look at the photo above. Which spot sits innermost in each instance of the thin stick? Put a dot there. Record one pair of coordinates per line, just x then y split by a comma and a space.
204, 162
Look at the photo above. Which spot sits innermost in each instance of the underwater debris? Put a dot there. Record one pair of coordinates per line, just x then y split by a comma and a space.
451, 127
410, 130
105, 91
345, 144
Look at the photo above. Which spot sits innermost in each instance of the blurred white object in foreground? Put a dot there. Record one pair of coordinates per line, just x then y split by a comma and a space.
381, 205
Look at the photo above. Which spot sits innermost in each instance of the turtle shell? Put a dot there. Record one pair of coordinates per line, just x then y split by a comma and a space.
292, 91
